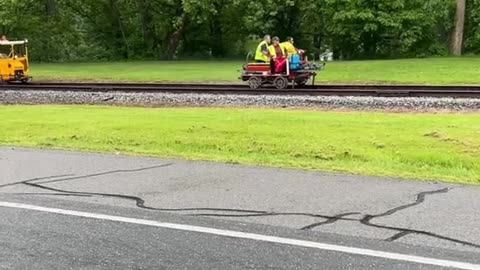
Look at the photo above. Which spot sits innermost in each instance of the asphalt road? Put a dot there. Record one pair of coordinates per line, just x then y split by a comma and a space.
173, 214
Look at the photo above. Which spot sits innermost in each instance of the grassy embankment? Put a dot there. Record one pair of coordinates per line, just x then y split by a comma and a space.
463, 70
421, 146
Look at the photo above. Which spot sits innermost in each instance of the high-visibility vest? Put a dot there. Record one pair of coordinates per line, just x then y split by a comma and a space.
259, 56
273, 52
289, 48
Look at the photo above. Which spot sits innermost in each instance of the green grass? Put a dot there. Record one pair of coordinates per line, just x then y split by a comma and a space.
442, 147
463, 70
188, 71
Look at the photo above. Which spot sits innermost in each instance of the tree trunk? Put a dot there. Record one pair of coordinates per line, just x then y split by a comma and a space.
148, 30
216, 42
175, 38
457, 38
50, 8
120, 40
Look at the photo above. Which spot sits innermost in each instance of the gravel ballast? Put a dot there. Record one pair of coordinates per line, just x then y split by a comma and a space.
166, 99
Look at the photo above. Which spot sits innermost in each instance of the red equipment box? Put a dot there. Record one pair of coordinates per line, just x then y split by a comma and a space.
258, 68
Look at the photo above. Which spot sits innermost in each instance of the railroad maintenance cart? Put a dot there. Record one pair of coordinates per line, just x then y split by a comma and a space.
14, 66
294, 70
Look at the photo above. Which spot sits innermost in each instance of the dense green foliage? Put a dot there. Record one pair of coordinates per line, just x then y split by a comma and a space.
65, 30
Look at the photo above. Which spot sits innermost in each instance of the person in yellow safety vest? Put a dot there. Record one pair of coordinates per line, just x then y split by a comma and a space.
290, 48
276, 49
262, 54
279, 56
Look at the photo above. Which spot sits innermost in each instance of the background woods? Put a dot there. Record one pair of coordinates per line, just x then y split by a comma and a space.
68, 30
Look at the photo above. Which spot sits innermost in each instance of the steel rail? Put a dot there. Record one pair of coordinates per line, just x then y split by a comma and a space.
317, 90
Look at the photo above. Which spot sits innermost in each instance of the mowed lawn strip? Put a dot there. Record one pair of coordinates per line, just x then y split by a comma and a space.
461, 70
442, 147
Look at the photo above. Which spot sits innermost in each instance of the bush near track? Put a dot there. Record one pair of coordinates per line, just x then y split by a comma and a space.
418, 146
413, 71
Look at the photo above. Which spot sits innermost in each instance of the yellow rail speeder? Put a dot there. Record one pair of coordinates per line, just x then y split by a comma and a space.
14, 66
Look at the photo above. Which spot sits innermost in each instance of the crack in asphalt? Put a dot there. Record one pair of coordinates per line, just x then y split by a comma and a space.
139, 201
402, 232
272, 214
421, 232
35, 179
365, 220
51, 194
101, 174
329, 221
70, 177
420, 199
398, 236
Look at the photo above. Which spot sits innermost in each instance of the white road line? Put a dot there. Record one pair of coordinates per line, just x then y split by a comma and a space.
252, 236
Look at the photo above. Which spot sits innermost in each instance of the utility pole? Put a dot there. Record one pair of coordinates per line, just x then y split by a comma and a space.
457, 37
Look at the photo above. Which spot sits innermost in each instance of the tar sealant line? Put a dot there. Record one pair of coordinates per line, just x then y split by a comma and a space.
252, 236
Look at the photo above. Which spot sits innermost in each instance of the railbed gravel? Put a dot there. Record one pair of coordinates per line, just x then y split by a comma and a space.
202, 100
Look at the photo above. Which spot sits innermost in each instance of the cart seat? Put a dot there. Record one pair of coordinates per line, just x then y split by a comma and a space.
257, 67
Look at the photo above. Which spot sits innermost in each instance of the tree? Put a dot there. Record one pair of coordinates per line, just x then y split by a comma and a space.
378, 29
472, 27
458, 33
87, 30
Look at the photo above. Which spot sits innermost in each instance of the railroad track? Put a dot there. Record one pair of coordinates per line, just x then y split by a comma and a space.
317, 90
